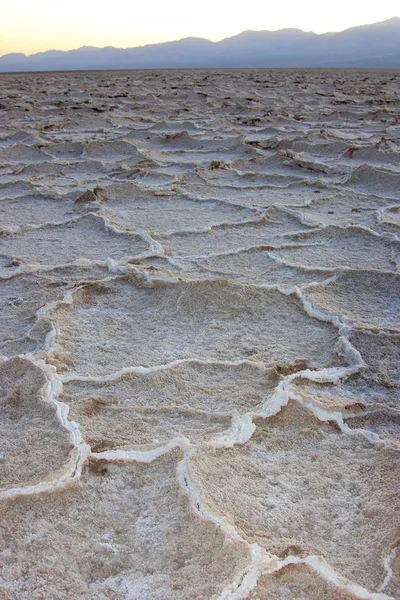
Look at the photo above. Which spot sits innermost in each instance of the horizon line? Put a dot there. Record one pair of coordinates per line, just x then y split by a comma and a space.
202, 38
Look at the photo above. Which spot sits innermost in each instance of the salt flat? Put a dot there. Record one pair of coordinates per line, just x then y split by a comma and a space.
199, 335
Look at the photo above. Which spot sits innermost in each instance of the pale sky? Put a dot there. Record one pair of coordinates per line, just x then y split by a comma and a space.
37, 25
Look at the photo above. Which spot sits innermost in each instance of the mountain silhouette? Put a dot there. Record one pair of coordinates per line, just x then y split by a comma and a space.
366, 46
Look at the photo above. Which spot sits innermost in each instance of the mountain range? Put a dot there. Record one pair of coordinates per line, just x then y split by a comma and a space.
366, 46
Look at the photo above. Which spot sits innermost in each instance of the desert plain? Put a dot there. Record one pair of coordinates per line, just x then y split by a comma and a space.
199, 335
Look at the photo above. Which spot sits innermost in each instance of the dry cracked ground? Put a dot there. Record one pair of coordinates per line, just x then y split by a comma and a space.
199, 335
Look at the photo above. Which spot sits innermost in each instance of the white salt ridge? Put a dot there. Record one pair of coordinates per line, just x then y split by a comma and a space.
143, 456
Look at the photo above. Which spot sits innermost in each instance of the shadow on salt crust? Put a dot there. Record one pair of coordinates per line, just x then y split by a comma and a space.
344, 208
206, 184
248, 266
86, 238
260, 197
34, 209
182, 148
368, 179
368, 299
65, 150
16, 189
20, 153
112, 151
335, 247
131, 207
267, 230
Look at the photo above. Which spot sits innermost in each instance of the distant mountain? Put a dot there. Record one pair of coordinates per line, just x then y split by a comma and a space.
375, 46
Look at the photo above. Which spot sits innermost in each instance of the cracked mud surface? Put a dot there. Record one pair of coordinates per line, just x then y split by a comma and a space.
199, 335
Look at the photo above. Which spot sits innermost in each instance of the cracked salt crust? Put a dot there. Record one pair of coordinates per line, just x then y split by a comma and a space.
199, 384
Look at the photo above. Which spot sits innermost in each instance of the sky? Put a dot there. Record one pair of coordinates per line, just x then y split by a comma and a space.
31, 26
